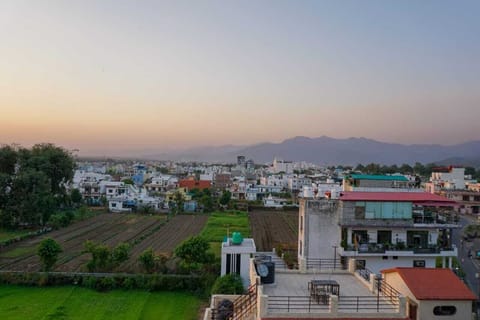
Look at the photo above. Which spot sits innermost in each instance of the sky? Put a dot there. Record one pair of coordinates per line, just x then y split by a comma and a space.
116, 76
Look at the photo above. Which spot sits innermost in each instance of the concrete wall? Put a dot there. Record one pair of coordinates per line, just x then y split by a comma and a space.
425, 307
376, 264
321, 231
464, 309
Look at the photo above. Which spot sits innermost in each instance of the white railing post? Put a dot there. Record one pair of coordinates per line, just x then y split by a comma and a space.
333, 305
352, 265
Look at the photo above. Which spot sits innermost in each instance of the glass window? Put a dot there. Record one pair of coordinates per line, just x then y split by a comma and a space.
419, 263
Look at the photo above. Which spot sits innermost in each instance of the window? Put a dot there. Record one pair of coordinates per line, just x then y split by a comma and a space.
384, 236
385, 257
359, 236
114, 204
444, 310
360, 210
300, 248
466, 198
419, 263
395, 257
301, 223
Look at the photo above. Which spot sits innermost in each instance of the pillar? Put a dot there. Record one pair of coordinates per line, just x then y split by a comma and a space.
333, 305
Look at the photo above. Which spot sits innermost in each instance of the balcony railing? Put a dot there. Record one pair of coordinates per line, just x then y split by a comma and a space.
383, 248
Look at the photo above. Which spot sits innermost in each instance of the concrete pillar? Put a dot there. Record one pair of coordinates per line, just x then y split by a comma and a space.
302, 265
444, 262
450, 259
352, 265
349, 236
372, 282
333, 305
402, 306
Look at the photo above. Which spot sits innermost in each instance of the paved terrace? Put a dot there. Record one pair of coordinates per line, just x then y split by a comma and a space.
290, 296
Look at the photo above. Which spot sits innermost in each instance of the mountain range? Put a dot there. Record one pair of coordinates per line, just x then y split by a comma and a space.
330, 151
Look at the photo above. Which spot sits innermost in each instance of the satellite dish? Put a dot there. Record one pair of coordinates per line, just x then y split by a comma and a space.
262, 270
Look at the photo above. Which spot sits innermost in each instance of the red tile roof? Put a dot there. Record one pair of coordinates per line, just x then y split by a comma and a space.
433, 283
194, 184
417, 197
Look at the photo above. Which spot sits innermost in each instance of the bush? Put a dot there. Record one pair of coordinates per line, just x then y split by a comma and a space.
105, 284
48, 251
228, 284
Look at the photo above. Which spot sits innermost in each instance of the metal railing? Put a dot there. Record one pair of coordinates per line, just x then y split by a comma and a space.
364, 273
297, 304
386, 290
367, 304
336, 264
246, 304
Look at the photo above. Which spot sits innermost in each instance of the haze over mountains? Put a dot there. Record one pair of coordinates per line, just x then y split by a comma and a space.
329, 151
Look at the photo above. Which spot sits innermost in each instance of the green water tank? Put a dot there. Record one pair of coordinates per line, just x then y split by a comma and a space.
237, 238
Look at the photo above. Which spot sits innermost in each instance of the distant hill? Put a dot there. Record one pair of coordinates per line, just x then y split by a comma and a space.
329, 151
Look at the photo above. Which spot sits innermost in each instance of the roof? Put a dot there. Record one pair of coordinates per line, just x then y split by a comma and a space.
416, 197
433, 283
194, 184
377, 177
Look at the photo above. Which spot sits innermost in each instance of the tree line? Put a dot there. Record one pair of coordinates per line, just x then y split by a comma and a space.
33, 184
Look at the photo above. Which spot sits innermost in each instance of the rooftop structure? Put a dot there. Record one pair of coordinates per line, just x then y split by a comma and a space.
381, 229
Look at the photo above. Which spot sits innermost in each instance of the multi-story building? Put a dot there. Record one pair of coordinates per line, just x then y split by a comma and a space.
450, 183
280, 165
370, 182
380, 229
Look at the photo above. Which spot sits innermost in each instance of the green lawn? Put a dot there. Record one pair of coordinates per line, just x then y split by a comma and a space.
9, 234
18, 302
221, 223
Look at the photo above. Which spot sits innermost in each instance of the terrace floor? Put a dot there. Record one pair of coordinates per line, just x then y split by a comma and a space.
296, 284
290, 295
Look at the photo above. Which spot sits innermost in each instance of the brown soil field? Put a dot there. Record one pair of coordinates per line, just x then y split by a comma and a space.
273, 228
108, 229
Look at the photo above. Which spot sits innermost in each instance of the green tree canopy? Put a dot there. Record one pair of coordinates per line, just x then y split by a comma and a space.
194, 250
48, 251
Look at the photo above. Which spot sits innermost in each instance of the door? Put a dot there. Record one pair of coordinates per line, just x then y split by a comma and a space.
412, 311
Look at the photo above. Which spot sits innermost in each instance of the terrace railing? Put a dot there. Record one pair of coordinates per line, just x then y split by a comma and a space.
246, 304
336, 264
297, 304
387, 291
366, 304
364, 273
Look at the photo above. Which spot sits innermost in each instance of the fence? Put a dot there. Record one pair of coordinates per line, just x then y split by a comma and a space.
297, 304
366, 304
337, 264
364, 273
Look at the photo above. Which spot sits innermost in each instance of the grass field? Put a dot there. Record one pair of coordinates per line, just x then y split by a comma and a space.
221, 223
79, 303
9, 234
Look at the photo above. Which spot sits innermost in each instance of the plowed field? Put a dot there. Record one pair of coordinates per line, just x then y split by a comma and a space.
109, 229
273, 228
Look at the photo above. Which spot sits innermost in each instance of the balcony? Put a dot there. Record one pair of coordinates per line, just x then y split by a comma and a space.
377, 249
431, 218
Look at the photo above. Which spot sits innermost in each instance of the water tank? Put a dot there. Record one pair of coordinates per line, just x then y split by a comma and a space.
307, 192
266, 271
237, 238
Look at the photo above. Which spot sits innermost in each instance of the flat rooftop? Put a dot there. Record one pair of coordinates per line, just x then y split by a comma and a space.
296, 284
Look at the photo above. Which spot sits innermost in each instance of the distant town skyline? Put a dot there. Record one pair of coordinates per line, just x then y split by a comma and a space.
110, 76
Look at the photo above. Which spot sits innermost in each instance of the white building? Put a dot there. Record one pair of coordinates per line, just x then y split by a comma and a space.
280, 165
381, 229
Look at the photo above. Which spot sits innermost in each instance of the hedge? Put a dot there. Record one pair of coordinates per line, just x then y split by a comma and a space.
105, 282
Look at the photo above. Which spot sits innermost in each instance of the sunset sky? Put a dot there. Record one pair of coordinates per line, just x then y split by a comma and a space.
109, 76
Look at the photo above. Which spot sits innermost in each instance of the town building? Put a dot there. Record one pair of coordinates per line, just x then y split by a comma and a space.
380, 229
432, 293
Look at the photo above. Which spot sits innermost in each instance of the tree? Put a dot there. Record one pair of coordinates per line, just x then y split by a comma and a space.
48, 251
55, 162
120, 253
147, 260
194, 250
228, 284
8, 159
179, 201
225, 198
76, 197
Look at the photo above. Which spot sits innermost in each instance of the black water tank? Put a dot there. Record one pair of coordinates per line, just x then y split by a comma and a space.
266, 271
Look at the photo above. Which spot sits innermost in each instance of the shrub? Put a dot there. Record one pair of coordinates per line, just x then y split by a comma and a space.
228, 284
48, 251
147, 260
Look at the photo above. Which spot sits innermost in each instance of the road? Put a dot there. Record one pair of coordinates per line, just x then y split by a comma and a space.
470, 266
